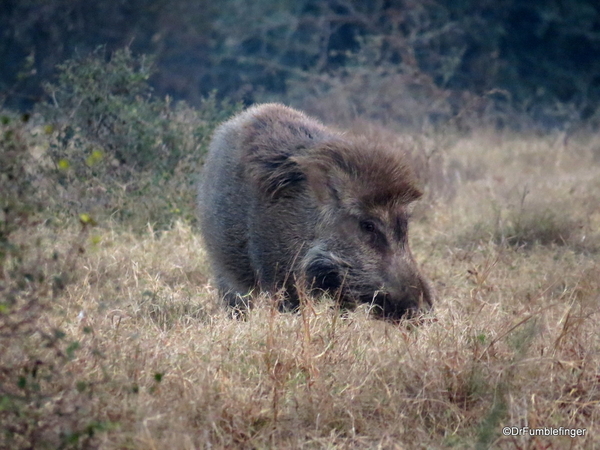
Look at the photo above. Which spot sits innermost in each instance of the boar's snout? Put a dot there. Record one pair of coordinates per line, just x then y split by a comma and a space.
406, 299
406, 296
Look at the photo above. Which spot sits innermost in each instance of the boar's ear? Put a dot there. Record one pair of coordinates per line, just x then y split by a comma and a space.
324, 178
274, 174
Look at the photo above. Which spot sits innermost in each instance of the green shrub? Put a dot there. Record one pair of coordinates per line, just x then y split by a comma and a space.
533, 224
117, 151
542, 226
15, 184
42, 405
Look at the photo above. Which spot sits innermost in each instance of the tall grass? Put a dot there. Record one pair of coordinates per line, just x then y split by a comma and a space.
112, 334
160, 363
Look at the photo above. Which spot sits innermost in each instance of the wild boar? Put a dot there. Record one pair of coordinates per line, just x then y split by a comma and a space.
289, 205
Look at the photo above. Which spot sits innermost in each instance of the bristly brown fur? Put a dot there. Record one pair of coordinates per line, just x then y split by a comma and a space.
285, 148
289, 204
272, 136
368, 173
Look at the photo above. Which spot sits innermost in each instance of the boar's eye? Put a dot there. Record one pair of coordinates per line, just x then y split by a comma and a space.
373, 233
368, 226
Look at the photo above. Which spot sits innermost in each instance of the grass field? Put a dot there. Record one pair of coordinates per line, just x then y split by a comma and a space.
150, 359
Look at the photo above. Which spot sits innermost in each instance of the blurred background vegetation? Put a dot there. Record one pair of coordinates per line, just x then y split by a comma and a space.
514, 63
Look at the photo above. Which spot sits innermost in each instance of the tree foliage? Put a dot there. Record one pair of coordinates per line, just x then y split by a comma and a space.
540, 57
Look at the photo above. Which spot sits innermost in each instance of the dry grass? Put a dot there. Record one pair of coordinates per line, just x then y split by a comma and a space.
514, 259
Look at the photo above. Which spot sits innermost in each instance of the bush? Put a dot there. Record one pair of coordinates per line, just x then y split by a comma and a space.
15, 181
538, 225
533, 224
42, 403
115, 150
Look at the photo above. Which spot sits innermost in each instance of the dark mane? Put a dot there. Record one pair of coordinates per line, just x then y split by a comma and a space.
284, 148
372, 172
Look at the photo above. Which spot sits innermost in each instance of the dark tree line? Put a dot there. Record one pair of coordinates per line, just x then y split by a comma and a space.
541, 57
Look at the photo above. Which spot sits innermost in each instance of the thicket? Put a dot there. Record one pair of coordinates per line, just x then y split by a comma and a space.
114, 148
42, 404
102, 150
511, 60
